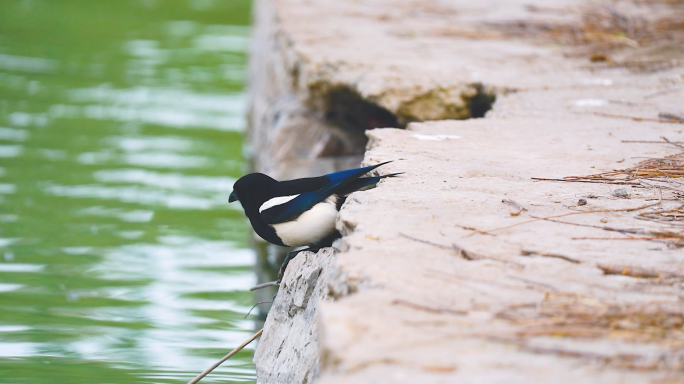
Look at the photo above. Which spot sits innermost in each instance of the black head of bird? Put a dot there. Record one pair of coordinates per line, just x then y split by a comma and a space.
252, 188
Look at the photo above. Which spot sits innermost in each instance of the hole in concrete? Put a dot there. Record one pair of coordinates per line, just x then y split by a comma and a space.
481, 102
348, 110
350, 115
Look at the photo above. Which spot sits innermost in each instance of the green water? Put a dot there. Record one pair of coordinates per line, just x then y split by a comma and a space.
120, 138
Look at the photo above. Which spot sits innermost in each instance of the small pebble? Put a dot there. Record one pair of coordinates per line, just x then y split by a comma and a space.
604, 220
620, 192
582, 202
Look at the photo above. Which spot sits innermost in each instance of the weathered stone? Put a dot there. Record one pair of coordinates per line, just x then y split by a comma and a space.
422, 295
288, 350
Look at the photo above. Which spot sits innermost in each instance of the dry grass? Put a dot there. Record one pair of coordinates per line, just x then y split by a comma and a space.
669, 216
569, 315
663, 172
642, 36
655, 169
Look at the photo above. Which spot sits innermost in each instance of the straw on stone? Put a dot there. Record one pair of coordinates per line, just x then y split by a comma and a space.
670, 217
653, 169
659, 169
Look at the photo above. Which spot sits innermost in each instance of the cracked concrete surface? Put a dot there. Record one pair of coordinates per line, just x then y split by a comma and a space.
423, 312
422, 294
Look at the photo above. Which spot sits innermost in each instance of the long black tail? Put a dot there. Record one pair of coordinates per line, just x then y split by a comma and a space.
364, 183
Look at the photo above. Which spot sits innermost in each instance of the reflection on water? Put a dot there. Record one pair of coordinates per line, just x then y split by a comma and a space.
120, 139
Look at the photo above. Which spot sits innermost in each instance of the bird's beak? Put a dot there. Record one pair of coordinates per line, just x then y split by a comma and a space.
233, 197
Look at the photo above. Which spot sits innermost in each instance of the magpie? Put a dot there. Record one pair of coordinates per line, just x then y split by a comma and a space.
300, 212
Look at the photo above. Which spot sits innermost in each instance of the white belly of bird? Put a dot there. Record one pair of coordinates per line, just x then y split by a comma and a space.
310, 227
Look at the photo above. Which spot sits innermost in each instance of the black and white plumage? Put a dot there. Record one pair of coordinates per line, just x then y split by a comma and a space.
299, 212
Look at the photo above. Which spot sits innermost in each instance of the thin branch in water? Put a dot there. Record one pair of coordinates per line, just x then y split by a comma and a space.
254, 306
226, 357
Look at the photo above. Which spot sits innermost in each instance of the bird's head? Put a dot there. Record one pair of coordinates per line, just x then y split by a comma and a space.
253, 188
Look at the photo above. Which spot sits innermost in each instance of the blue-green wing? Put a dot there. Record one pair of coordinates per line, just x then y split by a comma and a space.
305, 201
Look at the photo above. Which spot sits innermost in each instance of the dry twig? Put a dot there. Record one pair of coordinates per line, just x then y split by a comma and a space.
671, 121
527, 252
461, 252
581, 212
226, 357
468, 255
671, 116
473, 229
616, 238
654, 169
649, 142
635, 231
672, 142
667, 217
628, 271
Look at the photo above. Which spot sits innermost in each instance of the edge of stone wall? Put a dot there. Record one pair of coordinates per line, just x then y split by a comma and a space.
288, 351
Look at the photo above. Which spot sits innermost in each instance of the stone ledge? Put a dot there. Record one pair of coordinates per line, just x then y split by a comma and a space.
288, 350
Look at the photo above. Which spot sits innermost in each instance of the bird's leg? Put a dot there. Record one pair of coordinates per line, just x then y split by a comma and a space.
283, 267
292, 255
286, 261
